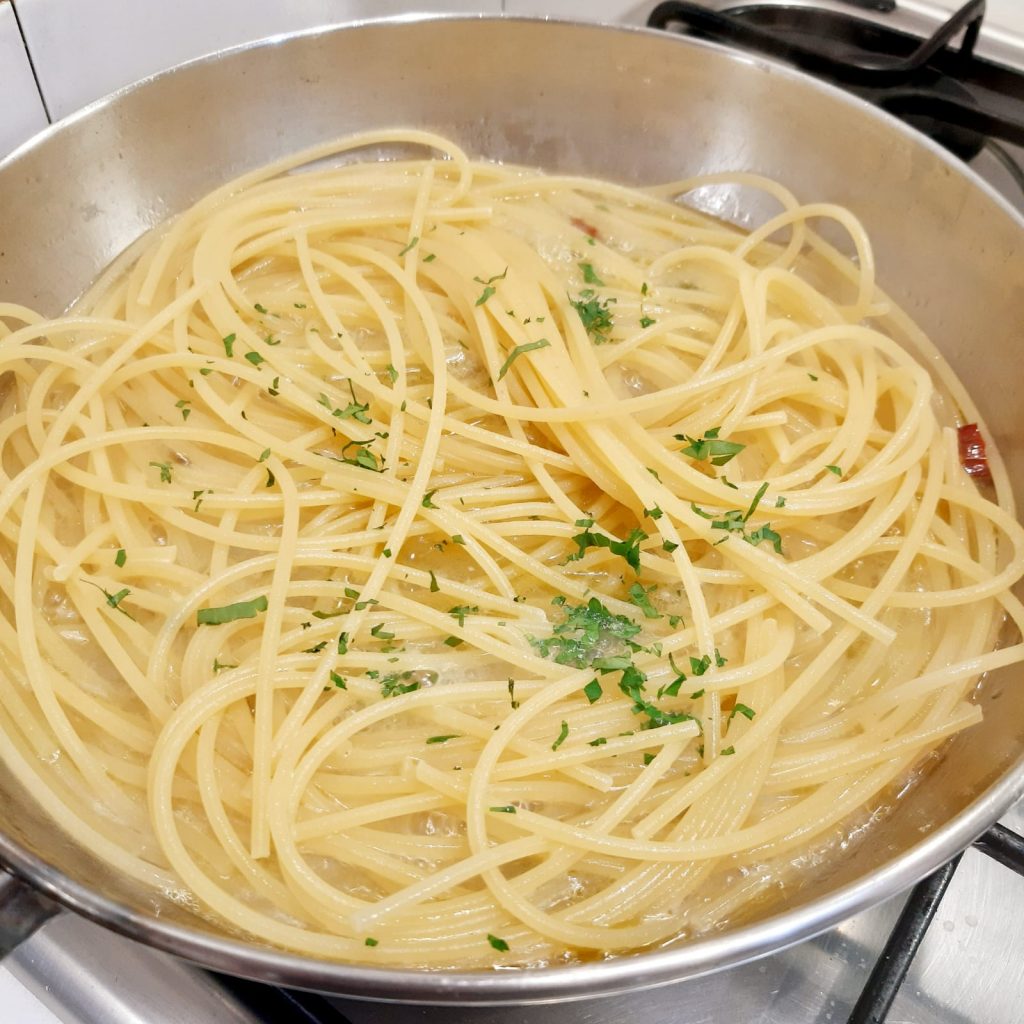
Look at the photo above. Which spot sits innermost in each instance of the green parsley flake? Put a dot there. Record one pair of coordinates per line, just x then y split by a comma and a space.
165, 471
410, 246
229, 345
585, 630
255, 358
596, 317
489, 288
442, 739
593, 691
710, 446
369, 941
392, 373
499, 944
460, 611
835, 469
529, 346
638, 595
339, 681
231, 612
434, 588
120, 558
629, 548
396, 683
503, 809
561, 736
742, 709
590, 275
427, 502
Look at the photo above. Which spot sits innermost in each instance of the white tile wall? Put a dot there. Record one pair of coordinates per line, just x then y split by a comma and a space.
21, 110
84, 49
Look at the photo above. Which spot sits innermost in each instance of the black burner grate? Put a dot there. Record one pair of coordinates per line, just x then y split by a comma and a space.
905, 939
958, 98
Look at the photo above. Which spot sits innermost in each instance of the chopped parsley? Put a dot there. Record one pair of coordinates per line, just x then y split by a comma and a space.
370, 941
260, 309
504, 809
499, 944
264, 455
434, 588
596, 317
638, 595
562, 735
231, 612
184, 405
415, 239
339, 681
742, 709
427, 502
585, 628
165, 471
229, 345
629, 548
728, 750
453, 641
381, 633
590, 275
489, 288
255, 358
529, 346
120, 558
396, 683
442, 739
593, 691
646, 321
460, 611
363, 458
512, 694
710, 446
835, 469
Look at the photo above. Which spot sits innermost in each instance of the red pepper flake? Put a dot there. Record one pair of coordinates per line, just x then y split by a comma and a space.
587, 229
972, 451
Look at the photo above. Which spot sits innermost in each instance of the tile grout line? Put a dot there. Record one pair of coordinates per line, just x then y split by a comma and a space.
31, 63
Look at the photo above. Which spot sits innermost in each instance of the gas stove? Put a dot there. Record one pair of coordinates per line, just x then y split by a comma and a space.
949, 952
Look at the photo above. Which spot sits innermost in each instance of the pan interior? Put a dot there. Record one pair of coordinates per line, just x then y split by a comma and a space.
625, 105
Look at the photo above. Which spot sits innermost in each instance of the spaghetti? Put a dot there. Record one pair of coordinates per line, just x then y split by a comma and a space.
431, 562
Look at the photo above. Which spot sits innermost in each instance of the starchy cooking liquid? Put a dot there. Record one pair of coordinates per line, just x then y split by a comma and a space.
430, 562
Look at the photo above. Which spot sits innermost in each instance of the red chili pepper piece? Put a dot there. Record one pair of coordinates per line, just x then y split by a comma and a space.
587, 229
972, 451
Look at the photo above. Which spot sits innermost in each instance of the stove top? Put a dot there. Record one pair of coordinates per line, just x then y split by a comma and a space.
949, 952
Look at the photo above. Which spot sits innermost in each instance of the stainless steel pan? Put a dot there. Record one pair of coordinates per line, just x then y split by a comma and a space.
628, 105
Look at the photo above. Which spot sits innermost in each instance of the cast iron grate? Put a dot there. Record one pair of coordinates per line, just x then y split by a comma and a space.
963, 101
905, 939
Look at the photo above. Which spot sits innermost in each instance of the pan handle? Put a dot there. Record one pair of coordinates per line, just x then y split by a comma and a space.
22, 910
